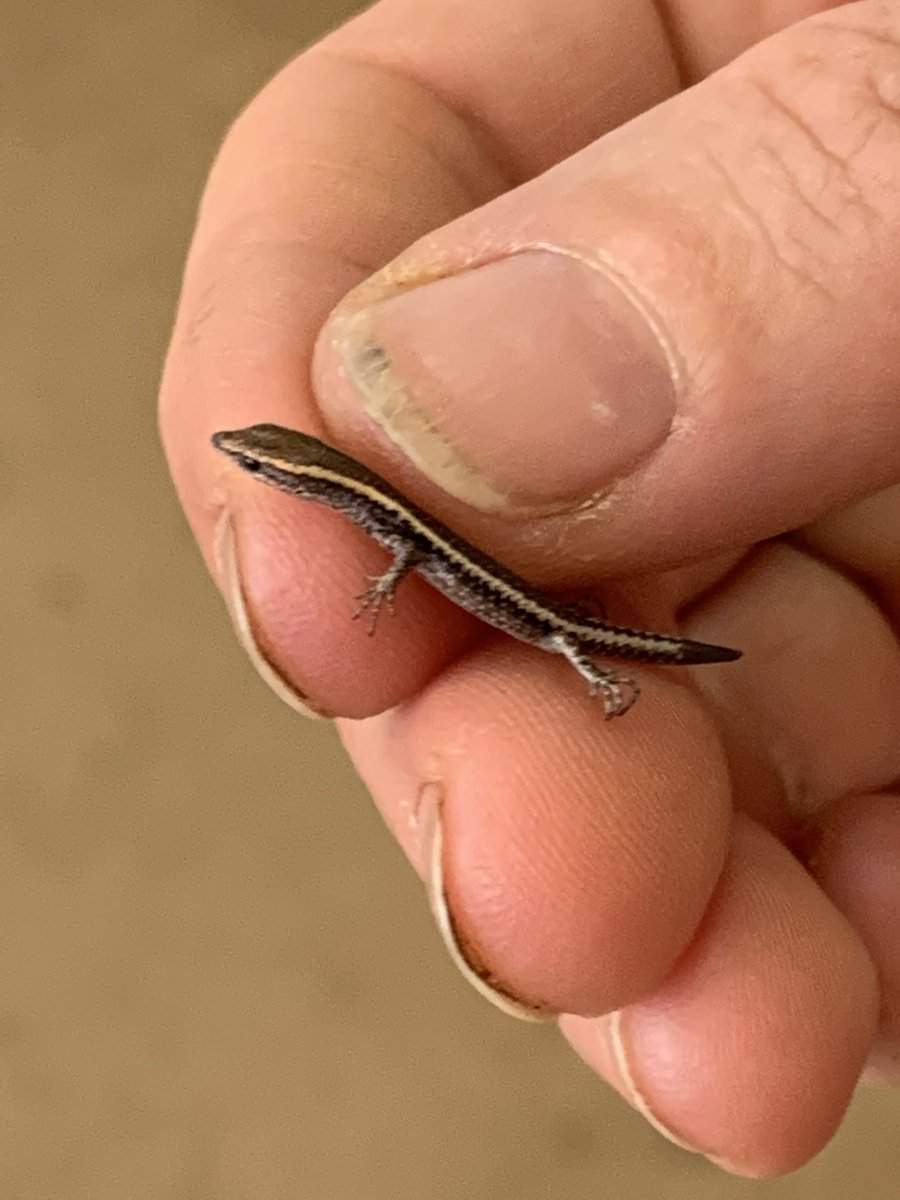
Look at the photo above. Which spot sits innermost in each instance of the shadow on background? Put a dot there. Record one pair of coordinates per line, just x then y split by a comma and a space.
217, 975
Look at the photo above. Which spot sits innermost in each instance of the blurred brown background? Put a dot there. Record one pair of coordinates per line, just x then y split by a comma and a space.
217, 975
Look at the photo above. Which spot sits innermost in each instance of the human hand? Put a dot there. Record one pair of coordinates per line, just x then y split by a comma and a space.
707, 295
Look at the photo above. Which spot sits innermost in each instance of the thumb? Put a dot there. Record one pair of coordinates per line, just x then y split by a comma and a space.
691, 323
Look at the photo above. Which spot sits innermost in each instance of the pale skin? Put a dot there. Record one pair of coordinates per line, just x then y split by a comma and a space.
720, 868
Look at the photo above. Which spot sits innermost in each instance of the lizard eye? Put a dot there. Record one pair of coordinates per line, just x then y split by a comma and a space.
250, 464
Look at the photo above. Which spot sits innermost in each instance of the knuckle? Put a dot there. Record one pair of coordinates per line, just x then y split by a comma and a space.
827, 101
822, 101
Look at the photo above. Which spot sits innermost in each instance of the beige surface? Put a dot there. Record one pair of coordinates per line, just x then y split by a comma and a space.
217, 975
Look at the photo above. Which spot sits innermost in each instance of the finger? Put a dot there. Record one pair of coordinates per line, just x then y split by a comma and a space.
560, 83
706, 36
681, 337
818, 694
853, 850
751, 1049
578, 858
864, 540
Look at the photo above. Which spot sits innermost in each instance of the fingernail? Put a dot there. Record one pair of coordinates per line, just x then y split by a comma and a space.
530, 383
626, 1081
227, 568
430, 824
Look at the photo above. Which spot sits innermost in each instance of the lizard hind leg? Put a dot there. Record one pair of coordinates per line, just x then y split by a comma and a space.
618, 691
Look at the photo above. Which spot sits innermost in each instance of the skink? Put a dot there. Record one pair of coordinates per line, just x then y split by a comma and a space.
303, 466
